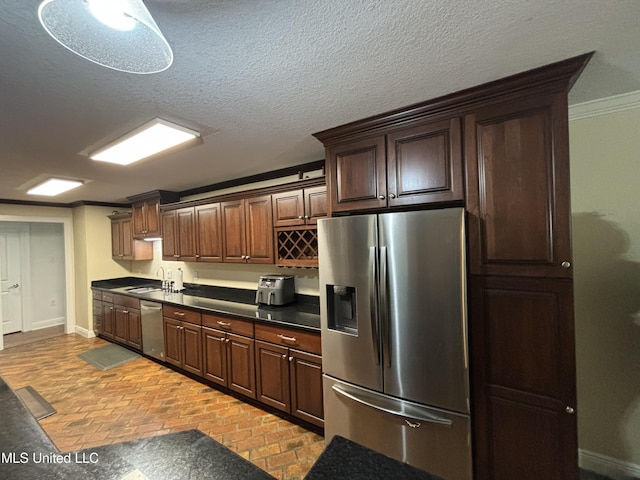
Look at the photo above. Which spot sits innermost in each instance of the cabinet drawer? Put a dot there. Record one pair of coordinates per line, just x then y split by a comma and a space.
96, 294
228, 324
125, 301
184, 314
107, 297
307, 341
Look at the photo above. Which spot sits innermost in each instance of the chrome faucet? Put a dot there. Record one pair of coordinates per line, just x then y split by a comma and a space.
164, 282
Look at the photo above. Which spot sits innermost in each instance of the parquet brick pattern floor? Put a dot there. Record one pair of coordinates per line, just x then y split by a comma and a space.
143, 398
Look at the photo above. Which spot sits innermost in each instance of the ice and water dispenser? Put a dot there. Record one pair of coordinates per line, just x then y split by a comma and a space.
341, 309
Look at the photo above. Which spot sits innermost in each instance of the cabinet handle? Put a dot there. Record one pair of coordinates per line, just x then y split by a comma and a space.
569, 410
291, 359
126, 312
306, 217
565, 264
392, 195
223, 324
180, 314
247, 257
284, 357
381, 197
227, 340
197, 256
284, 338
176, 256
300, 217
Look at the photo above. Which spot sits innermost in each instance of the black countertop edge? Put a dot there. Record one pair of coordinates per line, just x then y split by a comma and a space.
304, 313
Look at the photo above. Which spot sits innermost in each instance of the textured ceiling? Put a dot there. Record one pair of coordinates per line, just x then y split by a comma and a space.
258, 77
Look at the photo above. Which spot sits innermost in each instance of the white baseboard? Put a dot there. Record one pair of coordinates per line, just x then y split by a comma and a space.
84, 332
50, 322
608, 466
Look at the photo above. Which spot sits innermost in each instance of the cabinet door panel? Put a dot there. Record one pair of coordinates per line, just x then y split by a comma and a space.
172, 344
518, 189
215, 356
523, 370
357, 175
315, 199
233, 230
192, 348
288, 209
306, 386
139, 224
116, 239
241, 361
186, 229
108, 319
259, 228
169, 235
127, 238
134, 329
152, 218
120, 324
425, 164
208, 233
273, 375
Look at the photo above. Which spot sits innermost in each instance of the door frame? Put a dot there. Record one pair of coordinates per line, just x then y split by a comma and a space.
70, 308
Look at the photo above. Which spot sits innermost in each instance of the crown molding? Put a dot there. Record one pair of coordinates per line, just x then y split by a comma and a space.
604, 106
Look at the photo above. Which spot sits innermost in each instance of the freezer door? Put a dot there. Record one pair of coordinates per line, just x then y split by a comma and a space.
430, 439
423, 307
348, 299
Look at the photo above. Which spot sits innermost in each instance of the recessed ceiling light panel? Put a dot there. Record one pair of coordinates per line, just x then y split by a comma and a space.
53, 187
153, 137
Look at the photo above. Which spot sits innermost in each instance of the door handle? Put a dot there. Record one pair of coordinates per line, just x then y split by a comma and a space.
6, 292
373, 303
385, 330
394, 407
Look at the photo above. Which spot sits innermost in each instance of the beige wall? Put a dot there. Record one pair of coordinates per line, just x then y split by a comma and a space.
605, 193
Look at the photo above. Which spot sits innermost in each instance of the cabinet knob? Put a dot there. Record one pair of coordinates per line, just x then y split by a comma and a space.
306, 217
300, 217
381, 197
291, 359
284, 357
247, 257
565, 264
392, 195
569, 410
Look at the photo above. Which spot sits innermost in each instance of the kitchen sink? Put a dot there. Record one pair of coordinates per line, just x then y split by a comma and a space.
143, 289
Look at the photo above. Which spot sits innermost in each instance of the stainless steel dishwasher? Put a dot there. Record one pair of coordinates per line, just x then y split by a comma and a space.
152, 330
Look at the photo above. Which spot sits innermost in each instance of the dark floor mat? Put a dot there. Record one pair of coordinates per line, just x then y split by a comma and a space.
109, 356
34, 402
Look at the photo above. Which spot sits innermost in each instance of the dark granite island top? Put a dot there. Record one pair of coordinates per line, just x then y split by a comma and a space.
304, 313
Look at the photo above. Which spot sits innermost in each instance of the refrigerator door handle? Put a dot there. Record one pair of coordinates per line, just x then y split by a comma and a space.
394, 407
384, 309
373, 303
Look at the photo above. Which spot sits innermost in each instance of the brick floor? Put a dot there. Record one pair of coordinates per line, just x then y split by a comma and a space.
143, 398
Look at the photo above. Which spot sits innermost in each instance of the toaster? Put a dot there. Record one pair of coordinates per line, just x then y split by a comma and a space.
275, 290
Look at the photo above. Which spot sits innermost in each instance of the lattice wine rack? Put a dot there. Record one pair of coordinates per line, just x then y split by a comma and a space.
297, 246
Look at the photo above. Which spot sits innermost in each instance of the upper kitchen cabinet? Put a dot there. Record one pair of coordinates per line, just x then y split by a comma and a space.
299, 207
247, 228
518, 188
403, 164
146, 213
179, 241
208, 225
123, 245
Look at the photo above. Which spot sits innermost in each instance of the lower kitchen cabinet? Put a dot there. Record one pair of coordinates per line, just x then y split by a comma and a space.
127, 324
183, 339
108, 315
229, 361
287, 378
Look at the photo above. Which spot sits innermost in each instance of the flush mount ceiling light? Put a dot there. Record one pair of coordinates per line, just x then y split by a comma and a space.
151, 138
118, 34
53, 187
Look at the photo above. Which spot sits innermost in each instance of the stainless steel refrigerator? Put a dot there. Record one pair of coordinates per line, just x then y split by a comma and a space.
394, 336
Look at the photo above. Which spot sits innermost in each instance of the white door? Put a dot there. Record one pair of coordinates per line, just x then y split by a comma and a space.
10, 281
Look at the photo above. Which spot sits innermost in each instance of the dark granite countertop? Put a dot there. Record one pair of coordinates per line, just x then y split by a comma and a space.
304, 313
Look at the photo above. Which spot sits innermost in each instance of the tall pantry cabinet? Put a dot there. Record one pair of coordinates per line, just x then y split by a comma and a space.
515, 172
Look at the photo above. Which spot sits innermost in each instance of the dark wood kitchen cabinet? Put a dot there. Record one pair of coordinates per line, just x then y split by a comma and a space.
179, 230
247, 228
228, 349
127, 326
183, 338
123, 245
414, 165
299, 207
108, 315
146, 213
288, 378
208, 232
516, 172
98, 311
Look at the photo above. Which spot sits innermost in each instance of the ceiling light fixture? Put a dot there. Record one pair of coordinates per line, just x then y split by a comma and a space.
151, 138
53, 187
118, 34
